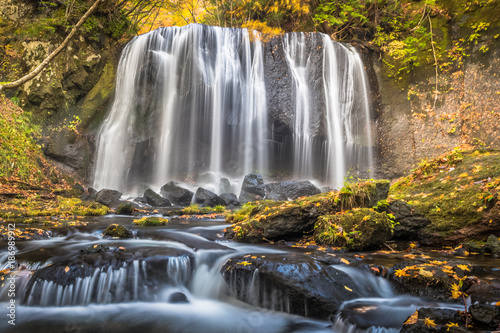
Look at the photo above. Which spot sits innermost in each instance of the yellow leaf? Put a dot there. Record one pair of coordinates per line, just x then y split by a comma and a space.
463, 175
429, 322
412, 319
349, 289
497, 303
401, 273
345, 261
244, 263
450, 325
425, 273
253, 257
464, 267
66, 270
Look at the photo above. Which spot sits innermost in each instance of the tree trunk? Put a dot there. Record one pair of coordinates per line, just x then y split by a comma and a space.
51, 56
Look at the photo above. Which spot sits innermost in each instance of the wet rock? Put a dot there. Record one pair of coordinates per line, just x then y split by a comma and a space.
276, 196
440, 317
290, 190
379, 192
89, 195
141, 200
107, 197
492, 245
117, 231
125, 208
224, 185
253, 183
176, 194
208, 198
485, 315
297, 285
177, 298
248, 197
409, 221
483, 292
154, 199
431, 279
229, 199
98, 248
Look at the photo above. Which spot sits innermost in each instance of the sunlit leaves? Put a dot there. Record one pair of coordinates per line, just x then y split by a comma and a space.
412, 319
429, 322
450, 325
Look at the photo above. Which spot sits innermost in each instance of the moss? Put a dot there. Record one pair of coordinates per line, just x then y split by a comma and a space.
151, 221
456, 190
117, 231
125, 208
196, 209
357, 229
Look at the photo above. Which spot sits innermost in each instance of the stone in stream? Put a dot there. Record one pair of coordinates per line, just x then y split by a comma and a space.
290, 190
89, 195
154, 199
224, 185
117, 231
298, 285
440, 317
125, 208
107, 197
252, 188
176, 194
229, 199
208, 198
177, 298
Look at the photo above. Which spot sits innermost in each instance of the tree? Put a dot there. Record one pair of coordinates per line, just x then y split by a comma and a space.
51, 56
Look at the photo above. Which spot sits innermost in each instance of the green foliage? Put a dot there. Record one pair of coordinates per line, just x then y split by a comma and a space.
241, 214
151, 221
196, 209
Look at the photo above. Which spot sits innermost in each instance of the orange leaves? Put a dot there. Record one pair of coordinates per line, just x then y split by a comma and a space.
66, 270
412, 319
401, 273
345, 261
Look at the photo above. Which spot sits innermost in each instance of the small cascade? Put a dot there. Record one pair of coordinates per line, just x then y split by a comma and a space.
369, 285
132, 282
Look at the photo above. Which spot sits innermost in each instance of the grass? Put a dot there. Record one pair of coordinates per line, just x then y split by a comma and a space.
455, 190
151, 221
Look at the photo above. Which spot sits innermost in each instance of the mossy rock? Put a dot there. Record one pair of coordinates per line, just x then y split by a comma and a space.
151, 221
458, 192
125, 208
289, 220
358, 229
117, 231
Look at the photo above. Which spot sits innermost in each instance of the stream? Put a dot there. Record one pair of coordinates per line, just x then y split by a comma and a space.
169, 279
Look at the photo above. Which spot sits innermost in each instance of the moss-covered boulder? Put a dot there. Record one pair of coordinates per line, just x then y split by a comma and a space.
125, 208
117, 231
358, 229
151, 221
458, 192
276, 220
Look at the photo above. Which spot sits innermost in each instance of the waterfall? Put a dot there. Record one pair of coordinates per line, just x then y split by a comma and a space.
195, 102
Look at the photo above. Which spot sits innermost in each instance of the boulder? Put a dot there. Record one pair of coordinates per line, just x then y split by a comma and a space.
117, 231
409, 222
208, 198
440, 317
290, 190
248, 197
176, 194
492, 245
224, 185
229, 199
125, 208
89, 195
253, 183
154, 199
485, 315
107, 197
289, 283
177, 298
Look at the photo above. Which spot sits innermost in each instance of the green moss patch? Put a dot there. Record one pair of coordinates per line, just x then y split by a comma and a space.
358, 229
455, 191
151, 221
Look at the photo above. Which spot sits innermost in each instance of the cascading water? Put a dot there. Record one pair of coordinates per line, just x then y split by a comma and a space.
199, 100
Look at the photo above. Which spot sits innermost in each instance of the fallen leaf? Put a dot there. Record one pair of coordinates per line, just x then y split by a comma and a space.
425, 273
244, 263
429, 322
450, 325
412, 319
66, 270
345, 261
349, 289
464, 267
